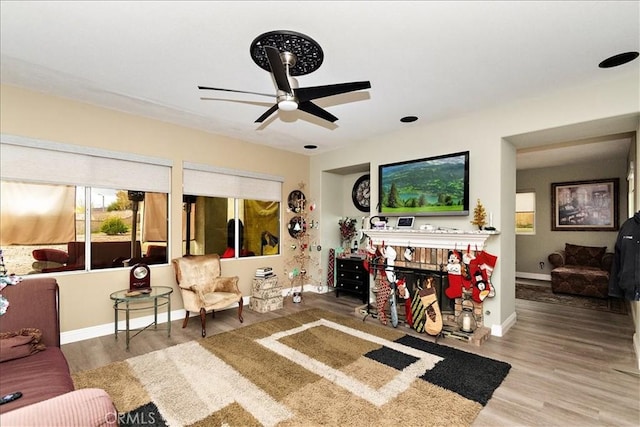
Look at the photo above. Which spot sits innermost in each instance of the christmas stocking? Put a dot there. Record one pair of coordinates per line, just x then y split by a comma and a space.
404, 294
454, 274
487, 264
430, 301
392, 305
480, 285
481, 270
466, 261
382, 297
418, 312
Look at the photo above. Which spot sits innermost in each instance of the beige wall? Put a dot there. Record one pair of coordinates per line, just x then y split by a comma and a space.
485, 134
533, 249
84, 297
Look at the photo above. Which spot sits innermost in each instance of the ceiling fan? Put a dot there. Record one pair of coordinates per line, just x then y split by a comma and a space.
286, 54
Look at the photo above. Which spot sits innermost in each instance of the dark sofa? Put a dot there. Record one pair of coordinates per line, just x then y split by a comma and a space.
581, 270
43, 377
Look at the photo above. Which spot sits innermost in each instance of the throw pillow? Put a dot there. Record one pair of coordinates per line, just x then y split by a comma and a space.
22, 343
54, 255
587, 256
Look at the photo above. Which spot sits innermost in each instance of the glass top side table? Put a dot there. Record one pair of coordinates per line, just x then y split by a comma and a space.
159, 296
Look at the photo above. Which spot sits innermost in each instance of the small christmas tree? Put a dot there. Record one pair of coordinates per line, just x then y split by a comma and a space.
479, 215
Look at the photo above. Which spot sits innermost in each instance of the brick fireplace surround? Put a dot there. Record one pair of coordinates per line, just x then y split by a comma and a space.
430, 257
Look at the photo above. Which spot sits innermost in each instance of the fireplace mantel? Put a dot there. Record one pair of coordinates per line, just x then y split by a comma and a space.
438, 238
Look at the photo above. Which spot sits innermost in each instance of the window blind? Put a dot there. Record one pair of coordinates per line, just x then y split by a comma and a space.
205, 180
525, 202
31, 160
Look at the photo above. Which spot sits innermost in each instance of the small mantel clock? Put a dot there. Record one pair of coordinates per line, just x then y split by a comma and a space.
139, 277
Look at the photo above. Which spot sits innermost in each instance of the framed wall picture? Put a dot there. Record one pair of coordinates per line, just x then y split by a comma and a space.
585, 205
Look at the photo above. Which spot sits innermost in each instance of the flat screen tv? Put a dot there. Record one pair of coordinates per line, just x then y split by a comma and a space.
425, 187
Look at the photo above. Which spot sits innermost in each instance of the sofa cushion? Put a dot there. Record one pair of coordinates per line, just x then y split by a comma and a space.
22, 343
585, 281
39, 377
87, 407
587, 256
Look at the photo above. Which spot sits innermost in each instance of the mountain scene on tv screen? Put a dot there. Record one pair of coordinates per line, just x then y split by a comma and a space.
416, 187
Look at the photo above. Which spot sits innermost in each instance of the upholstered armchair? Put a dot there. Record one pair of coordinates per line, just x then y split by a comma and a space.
581, 270
203, 289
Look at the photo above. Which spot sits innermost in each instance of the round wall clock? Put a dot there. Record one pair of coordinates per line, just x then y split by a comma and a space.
361, 193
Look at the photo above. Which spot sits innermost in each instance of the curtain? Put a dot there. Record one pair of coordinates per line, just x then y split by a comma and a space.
154, 220
37, 214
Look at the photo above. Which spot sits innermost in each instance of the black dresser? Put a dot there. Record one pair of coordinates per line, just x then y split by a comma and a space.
351, 277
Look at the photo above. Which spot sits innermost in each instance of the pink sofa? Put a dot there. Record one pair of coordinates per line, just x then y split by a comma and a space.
43, 377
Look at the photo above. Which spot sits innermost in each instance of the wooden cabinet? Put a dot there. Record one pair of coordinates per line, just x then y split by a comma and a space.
351, 277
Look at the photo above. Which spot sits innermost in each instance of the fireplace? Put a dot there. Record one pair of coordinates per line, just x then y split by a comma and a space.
428, 259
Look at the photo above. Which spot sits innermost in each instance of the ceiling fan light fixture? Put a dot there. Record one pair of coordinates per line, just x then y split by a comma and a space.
287, 102
288, 105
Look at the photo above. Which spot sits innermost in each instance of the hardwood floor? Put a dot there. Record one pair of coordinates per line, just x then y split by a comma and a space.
564, 360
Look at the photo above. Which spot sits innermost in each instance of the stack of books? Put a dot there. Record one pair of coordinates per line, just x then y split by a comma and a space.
264, 272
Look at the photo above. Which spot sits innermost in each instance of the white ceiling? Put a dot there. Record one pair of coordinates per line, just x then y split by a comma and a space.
430, 59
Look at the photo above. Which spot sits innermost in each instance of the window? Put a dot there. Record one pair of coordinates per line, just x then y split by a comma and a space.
232, 213
526, 213
55, 215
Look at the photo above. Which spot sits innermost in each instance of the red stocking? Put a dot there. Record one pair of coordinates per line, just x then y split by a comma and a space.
487, 264
480, 285
454, 269
454, 290
403, 293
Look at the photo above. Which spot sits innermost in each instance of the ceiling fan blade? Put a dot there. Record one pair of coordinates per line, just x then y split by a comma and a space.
309, 93
267, 113
313, 109
278, 69
233, 90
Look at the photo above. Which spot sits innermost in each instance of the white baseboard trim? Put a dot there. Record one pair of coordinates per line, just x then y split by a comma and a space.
316, 289
135, 323
533, 276
500, 330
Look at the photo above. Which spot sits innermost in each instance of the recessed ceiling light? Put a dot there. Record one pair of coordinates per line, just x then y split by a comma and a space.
310, 147
619, 59
408, 119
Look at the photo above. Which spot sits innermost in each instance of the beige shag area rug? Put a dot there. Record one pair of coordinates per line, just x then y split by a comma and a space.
308, 369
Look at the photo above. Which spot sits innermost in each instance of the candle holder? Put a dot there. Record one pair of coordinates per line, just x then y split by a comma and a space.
466, 319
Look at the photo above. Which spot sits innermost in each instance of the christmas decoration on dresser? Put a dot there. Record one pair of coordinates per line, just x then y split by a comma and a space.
479, 215
347, 231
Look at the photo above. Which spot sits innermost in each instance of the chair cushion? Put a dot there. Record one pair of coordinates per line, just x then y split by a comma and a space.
220, 299
588, 256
